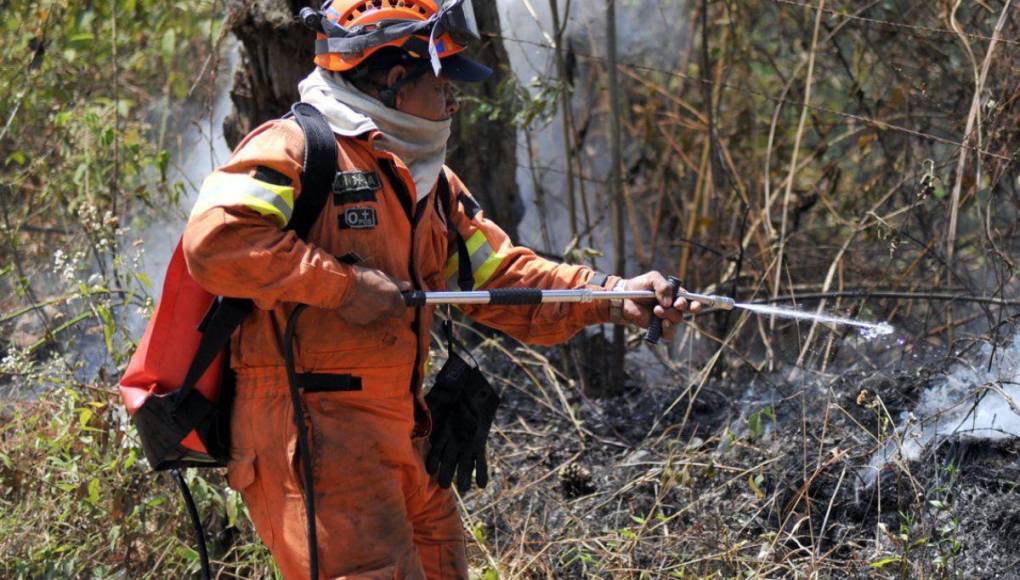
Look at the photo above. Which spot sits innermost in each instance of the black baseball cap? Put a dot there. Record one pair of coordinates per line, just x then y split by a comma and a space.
457, 67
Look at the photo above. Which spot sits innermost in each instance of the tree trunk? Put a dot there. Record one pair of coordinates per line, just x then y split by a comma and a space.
277, 53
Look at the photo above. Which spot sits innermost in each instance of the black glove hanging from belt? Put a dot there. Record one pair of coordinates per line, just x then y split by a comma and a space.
463, 405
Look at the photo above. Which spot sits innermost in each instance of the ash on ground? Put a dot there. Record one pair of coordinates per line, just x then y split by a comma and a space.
743, 474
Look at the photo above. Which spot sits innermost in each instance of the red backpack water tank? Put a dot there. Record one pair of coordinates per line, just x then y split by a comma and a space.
170, 388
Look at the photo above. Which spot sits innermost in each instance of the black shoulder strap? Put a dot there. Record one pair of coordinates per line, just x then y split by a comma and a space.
319, 167
465, 278
317, 176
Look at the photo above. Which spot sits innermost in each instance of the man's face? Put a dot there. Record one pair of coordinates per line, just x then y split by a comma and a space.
428, 97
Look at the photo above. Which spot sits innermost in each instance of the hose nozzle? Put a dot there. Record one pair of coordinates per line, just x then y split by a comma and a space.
709, 300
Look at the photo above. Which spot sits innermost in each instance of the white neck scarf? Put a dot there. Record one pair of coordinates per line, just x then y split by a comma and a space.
419, 143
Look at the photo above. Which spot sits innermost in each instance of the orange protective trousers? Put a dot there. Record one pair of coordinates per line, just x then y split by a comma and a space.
378, 513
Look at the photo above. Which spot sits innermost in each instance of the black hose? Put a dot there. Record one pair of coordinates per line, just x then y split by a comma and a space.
196, 523
304, 448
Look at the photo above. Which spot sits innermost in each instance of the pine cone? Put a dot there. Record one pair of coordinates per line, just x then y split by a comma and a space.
576, 481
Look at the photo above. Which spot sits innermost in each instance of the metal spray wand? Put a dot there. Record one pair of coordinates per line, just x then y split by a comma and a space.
527, 296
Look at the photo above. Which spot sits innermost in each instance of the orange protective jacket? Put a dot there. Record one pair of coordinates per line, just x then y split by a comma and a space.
235, 245
378, 513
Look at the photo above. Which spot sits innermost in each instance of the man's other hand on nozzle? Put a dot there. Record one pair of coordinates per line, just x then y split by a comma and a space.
640, 313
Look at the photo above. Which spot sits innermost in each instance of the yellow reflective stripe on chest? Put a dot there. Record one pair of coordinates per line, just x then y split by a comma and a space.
484, 262
241, 190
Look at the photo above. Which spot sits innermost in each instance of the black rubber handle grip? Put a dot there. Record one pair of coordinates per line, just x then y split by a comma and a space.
515, 296
414, 298
498, 297
655, 328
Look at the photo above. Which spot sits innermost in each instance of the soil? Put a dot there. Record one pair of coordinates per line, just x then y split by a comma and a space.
767, 476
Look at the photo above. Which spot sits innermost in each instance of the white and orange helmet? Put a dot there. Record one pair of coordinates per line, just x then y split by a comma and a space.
350, 31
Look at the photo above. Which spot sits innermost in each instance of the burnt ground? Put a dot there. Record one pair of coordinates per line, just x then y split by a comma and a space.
760, 474
749, 472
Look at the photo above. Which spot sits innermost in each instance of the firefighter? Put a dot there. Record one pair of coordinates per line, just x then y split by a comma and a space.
389, 226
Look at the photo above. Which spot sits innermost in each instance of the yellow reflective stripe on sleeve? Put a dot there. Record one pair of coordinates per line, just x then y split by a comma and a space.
484, 262
235, 189
486, 269
476, 241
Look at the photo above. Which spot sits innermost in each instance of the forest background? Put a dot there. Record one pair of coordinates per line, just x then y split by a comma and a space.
852, 157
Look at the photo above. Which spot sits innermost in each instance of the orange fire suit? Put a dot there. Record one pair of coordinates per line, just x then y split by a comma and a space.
379, 514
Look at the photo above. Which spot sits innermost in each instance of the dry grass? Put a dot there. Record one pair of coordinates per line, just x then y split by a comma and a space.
764, 476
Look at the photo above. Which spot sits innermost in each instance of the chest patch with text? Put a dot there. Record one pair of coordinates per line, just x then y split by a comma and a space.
355, 186
358, 218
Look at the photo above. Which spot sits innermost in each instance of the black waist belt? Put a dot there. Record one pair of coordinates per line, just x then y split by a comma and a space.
325, 383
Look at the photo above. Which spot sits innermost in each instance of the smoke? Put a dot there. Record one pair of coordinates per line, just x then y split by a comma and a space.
201, 149
977, 400
85, 351
648, 33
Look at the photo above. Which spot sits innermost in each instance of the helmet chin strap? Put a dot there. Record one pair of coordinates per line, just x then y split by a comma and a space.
388, 95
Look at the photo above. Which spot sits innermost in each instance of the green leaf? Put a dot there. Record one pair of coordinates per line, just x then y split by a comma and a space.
79, 173
883, 562
233, 499
17, 157
169, 45
124, 107
106, 137
141, 277
755, 484
84, 417
756, 421
163, 162
109, 326
755, 426
62, 118
81, 39
114, 535
132, 457
187, 553
94, 491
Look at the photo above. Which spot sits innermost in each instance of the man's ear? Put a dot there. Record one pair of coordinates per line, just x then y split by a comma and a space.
393, 76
